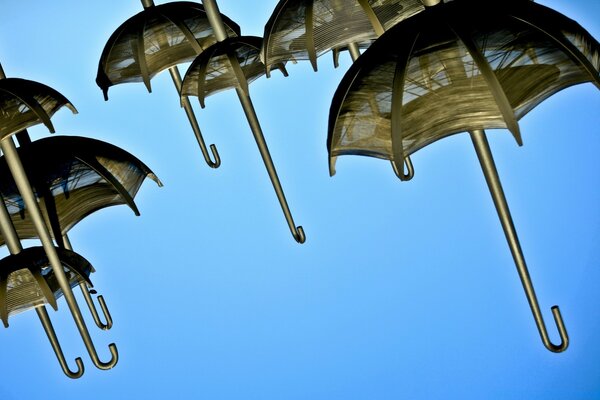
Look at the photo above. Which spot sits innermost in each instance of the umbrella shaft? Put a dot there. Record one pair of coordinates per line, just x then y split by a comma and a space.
354, 51
486, 160
214, 17
264, 152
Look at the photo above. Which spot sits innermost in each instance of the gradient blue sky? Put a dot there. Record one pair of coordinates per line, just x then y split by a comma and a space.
402, 290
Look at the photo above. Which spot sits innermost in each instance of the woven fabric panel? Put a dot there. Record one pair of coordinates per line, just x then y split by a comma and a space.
75, 171
336, 24
156, 39
435, 64
22, 290
25, 103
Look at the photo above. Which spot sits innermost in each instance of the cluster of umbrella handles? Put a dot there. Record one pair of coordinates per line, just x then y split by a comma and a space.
400, 90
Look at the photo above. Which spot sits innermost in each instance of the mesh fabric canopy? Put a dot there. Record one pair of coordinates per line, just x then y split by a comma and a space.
457, 67
75, 176
27, 280
212, 71
25, 103
306, 29
155, 39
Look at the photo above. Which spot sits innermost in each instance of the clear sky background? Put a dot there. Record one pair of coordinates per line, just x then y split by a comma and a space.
403, 290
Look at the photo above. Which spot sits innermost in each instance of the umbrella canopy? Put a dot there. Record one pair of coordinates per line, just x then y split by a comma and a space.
453, 68
24, 103
306, 29
27, 280
212, 71
462, 66
155, 39
81, 175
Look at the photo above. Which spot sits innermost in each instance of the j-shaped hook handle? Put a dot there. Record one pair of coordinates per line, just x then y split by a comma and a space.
47, 324
399, 170
215, 153
564, 337
95, 315
105, 365
299, 235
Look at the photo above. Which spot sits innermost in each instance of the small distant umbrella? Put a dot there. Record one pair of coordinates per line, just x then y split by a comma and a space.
307, 29
74, 177
26, 103
456, 67
24, 186
159, 38
232, 62
27, 281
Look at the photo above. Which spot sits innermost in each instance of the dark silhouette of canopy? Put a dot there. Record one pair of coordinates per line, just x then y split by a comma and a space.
155, 39
462, 66
212, 71
82, 175
306, 29
27, 280
454, 68
26, 103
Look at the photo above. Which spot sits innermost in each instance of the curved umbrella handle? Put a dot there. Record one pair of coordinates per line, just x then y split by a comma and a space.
215, 153
299, 235
105, 365
90, 302
47, 324
484, 154
400, 171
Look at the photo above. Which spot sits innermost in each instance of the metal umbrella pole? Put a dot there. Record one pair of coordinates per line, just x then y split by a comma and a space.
189, 111
13, 161
214, 17
491, 176
14, 247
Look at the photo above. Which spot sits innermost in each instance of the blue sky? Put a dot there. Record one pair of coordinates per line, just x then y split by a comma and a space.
402, 289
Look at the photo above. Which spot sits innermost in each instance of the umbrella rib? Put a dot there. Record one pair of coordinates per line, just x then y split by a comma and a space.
375, 22
310, 35
33, 104
141, 57
494, 84
186, 32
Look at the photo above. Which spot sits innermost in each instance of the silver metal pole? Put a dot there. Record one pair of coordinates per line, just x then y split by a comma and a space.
189, 111
214, 17
16, 167
486, 160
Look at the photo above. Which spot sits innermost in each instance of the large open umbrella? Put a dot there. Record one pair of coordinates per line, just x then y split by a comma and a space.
7, 145
456, 67
159, 38
307, 29
233, 63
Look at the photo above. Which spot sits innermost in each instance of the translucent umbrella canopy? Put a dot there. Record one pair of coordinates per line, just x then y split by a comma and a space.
155, 39
457, 67
24, 103
306, 29
212, 71
27, 280
79, 175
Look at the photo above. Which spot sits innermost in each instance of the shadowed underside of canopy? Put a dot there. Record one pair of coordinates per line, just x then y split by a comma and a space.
24, 103
306, 29
27, 280
82, 175
155, 39
457, 67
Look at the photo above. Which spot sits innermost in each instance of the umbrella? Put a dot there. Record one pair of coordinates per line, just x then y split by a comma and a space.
462, 66
9, 149
74, 177
212, 71
159, 38
307, 29
231, 63
27, 281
